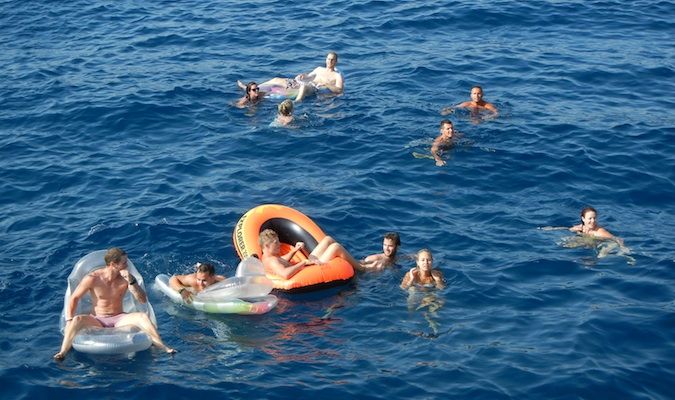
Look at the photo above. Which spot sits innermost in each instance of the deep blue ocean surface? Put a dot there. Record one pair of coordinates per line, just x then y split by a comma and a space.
117, 128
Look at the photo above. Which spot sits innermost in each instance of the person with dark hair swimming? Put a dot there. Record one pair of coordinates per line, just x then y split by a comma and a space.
475, 104
253, 95
443, 142
390, 245
190, 284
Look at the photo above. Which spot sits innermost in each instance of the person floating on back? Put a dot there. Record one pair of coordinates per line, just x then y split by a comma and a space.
476, 104
190, 284
327, 77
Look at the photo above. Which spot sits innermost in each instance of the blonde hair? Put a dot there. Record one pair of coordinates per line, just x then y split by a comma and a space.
285, 107
267, 236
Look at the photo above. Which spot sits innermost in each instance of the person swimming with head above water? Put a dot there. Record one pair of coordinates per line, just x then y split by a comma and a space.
387, 258
327, 77
476, 103
284, 113
253, 95
190, 284
424, 273
589, 228
443, 142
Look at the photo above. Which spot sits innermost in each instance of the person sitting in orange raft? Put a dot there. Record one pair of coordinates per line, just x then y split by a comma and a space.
279, 265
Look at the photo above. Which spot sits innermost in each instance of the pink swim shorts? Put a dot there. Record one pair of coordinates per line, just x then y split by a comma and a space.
109, 321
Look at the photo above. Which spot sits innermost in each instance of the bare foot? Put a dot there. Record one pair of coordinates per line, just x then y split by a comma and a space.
169, 350
59, 356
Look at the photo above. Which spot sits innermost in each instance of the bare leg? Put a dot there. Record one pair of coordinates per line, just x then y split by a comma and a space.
275, 82
78, 323
142, 321
328, 249
320, 248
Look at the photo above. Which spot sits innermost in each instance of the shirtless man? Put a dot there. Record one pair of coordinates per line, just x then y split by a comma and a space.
443, 141
475, 104
187, 285
387, 258
279, 265
321, 77
107, 287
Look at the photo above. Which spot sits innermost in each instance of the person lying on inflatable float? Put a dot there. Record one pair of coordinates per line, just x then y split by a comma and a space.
280, 265
304, 85
107, 287
246, 293
187, 285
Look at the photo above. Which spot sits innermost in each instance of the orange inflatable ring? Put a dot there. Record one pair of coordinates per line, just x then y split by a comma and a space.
292, 226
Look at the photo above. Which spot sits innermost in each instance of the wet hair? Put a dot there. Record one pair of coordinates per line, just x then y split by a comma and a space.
477, 87
393, 236
333, 53
285, 107
446, 121
114, 255
248, 89
267, 236
584, 211
205, 268
424, 250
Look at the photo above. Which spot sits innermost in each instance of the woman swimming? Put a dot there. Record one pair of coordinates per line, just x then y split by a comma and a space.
424, 273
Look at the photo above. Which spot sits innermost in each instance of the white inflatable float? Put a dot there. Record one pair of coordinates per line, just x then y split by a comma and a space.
245, 293
120, 340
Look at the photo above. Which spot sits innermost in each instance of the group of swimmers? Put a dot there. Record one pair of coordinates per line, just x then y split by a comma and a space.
108, 286
302, 85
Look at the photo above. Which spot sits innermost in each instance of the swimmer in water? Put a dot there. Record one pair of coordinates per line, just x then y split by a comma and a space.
390, 245
476, 103
589, 228
443, 142
253, 95
284, 113
203, 277
423, 274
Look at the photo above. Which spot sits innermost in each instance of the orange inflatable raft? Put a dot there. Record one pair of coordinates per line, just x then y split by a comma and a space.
292, 226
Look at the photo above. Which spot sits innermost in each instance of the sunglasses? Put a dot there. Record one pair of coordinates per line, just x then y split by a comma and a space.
255, 89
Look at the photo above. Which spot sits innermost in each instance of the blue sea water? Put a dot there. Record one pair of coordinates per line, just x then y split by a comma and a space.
117, 128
